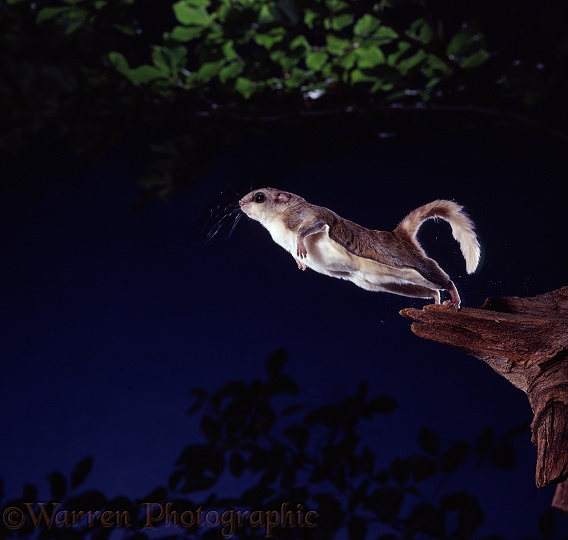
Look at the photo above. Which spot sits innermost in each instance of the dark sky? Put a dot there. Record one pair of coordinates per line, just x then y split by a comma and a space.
110, 316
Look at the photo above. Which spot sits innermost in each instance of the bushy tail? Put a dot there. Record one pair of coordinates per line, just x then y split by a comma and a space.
462, 227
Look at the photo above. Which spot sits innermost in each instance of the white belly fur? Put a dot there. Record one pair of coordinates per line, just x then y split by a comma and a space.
330, 258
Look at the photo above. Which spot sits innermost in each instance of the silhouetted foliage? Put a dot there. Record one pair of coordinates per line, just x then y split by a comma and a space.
304, 472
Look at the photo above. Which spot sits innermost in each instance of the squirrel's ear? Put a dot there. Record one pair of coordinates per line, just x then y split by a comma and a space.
283, 197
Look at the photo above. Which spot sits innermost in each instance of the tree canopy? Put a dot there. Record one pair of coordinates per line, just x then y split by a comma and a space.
186, 77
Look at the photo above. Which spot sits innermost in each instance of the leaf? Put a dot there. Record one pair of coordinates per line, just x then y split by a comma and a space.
470, 517
315, 60
188, 15
330, 511
519, 429
299, 435
429, 441
29, 494
89, 500
484, 443
382, 404
185, 33
547, 524
366, 25
81, 471
288, 480
269, 39
145, 74
409, 63
470, 514
326, 415
369, 57
386, 502
357, 528
244, 86
208, 70
275, 363
475, 59
118, 61
211, 429
230, 71
421, 467
237, 464
426, 519
399, 471
341, 21
452, 458
337, 45
48, 13
503, 457
57, 485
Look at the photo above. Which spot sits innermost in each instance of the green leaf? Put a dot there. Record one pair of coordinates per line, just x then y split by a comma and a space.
421, 30
185, 33
296, 79
409, 63
145, 74
366, 25
310, 17
337, 45
118, 61
475, 59
48, 13
269, 39
347, 61
191, 16
230, 71
208, 70
245, 87
81, 471
300, 42
125, 29
341, 21
369, 57
315, 60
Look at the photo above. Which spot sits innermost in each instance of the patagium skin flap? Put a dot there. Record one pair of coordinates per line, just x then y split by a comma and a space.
386, 261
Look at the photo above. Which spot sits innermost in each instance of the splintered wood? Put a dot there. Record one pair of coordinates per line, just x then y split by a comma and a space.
526, 341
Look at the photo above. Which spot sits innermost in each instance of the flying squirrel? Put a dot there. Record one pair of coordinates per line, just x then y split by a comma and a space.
394, 261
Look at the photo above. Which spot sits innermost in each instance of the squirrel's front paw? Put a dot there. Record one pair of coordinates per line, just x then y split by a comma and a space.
301, 265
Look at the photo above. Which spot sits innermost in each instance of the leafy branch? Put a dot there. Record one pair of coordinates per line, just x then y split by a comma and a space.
284, 452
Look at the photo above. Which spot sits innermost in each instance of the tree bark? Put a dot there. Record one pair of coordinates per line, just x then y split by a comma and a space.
526, 341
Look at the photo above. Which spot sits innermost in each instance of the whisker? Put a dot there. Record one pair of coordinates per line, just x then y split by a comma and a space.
225, 218
237, 219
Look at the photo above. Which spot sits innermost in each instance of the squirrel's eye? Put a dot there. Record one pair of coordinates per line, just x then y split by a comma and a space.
259, 198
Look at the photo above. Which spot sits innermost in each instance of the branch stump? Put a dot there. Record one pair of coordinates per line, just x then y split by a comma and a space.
526, 341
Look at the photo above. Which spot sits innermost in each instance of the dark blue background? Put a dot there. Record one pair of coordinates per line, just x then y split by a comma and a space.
110, 316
